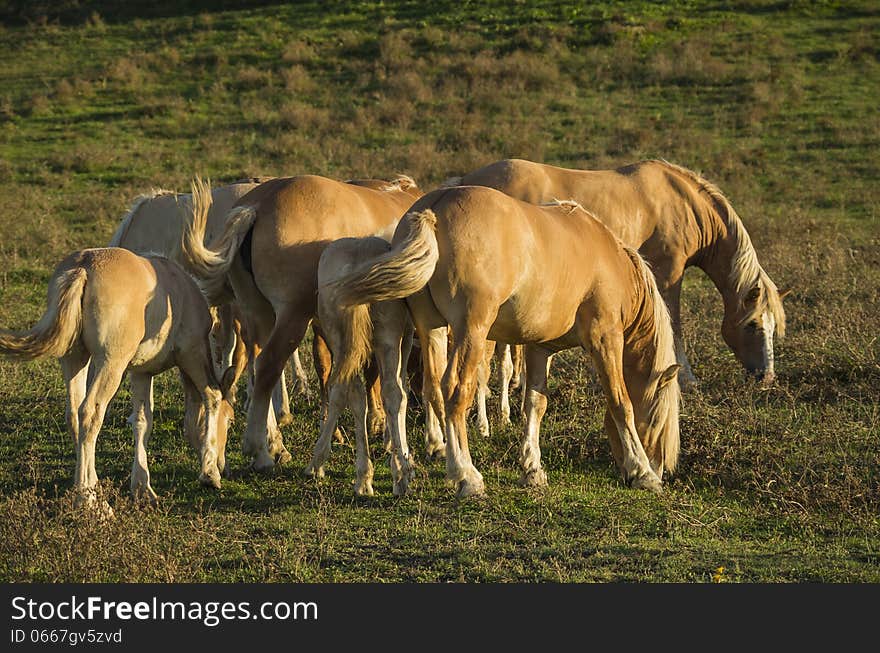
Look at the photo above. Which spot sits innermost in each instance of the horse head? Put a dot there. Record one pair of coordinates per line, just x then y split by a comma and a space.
749, 326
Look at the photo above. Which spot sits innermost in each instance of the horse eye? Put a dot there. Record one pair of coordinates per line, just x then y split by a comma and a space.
753, 325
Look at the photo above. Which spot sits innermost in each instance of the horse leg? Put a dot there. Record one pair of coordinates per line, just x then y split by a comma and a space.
506, 367
459, 386
141, 421
375, 410
672, 296
281, 401
75, 370
301, 384
390, 334
483, 372
357, 400
537, 367
434, 342
202, 396
323, 361
321, 452
105, 375
606, 349
262, 438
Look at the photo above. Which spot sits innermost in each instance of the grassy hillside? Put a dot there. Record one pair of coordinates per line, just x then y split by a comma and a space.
773, 101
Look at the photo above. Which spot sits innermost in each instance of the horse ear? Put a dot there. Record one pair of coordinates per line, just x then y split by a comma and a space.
667, 376
784, 293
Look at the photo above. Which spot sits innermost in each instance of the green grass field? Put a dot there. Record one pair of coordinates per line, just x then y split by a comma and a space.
776, 102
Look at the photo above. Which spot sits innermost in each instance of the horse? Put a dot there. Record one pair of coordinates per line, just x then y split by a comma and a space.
154, 224
268, 254
676, 219
110, 311
382, 330
551, 277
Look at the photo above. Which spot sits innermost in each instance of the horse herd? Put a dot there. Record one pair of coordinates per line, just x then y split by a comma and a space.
516, 255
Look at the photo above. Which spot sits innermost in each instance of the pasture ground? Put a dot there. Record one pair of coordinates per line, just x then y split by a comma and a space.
774, 102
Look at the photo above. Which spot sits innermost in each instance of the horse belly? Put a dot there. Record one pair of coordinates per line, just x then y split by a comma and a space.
156, 350
520, 321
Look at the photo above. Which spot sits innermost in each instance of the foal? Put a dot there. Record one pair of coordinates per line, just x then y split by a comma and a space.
111, 311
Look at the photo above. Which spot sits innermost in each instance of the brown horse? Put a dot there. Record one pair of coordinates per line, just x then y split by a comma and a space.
553, 277
154, 225
111, 311
268, 254
676, 219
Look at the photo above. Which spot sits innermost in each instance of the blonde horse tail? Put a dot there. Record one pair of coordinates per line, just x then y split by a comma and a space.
354, 335
210, 264
663, 424
60, 325
401, 272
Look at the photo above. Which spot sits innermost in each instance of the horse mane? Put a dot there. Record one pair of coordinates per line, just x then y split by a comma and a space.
746, 272
252, 180
400, 183
663, 424
122, 229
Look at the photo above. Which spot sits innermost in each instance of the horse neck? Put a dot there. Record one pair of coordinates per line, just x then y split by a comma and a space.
722, 245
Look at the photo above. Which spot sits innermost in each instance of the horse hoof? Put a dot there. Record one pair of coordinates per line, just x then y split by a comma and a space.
211, 479
263, 463
313, 472
145, 497
364, 489
471, 488
533, 478
648, 482
283, 457
436, 453
284, 419
338, 437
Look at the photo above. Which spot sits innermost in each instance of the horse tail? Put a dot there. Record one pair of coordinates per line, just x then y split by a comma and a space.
210, 264
60, 326
350, 329
663, 428
399, 273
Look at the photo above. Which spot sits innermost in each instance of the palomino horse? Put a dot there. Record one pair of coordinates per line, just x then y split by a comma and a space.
354, 335
154, 225
268, 254
676, 219
552, 277
111, 311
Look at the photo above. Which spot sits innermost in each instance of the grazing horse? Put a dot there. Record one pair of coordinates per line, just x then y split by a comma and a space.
268, 254
355, 334
676, 219
552, 277
154, 225
111, 311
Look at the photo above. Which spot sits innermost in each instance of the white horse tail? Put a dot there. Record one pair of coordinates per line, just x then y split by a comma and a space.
60, 325
401, 272
210, 264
